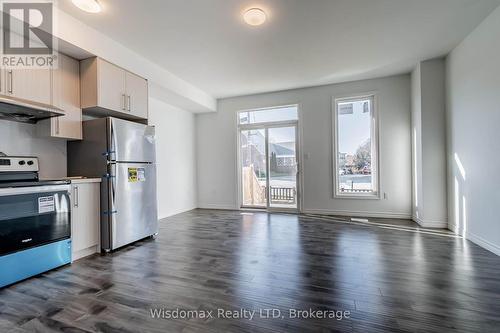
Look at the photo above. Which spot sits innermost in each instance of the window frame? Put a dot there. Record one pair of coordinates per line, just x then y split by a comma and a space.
298, 146
268, 123
337, 194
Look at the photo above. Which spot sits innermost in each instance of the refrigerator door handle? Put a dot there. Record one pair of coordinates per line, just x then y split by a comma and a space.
108, 153
111, 141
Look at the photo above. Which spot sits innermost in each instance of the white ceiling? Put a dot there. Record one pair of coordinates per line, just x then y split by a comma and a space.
304, 43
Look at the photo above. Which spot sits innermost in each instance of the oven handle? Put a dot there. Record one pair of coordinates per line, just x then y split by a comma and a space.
34, 189
77, 197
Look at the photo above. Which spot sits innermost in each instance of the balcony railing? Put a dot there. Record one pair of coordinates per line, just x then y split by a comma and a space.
349, 190
284, 195
255, 192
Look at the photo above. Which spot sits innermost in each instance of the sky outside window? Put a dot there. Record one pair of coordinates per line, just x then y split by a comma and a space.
354, 129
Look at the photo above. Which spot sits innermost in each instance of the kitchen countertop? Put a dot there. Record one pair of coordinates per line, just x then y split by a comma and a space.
79, 180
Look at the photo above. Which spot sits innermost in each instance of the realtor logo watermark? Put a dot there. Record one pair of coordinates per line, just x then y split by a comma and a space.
28, 34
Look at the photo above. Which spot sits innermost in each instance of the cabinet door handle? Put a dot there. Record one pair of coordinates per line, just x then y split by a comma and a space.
57, 125
129, 102
10, 89
124, 100
76, 203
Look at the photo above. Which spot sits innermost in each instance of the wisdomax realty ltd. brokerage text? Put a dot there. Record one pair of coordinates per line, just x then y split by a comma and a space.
248, 314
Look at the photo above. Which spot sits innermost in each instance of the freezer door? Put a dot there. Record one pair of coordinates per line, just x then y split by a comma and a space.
133, 208
131, 142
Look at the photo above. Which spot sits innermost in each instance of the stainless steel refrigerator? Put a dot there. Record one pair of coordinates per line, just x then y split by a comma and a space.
123, 154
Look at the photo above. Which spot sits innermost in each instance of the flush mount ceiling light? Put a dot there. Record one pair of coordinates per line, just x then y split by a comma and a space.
254, 16
89, 6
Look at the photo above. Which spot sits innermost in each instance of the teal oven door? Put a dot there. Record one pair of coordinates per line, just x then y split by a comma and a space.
35, 230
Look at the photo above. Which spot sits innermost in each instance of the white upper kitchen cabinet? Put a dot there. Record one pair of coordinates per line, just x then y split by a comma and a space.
65, 96
28, 85
137, 91
111, 86
137, 95
108, 90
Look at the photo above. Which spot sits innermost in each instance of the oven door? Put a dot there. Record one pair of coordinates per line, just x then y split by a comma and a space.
33, 216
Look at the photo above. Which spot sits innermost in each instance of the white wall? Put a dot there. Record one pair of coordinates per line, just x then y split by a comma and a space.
416, 136
176, 157
473, 116
21, 139
217, 151
429, 144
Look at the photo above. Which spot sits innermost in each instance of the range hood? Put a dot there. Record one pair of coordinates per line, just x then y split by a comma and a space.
20, 110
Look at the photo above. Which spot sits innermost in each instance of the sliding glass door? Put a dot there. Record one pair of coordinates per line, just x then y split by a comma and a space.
253, 168
268, 158
282, 157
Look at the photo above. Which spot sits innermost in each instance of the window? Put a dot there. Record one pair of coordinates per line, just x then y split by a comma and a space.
356, 147
278, 114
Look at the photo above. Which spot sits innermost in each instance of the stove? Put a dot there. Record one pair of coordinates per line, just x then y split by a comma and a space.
20, 171
35, 220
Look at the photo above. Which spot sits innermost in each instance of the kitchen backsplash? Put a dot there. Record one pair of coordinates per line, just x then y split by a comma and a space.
21, 139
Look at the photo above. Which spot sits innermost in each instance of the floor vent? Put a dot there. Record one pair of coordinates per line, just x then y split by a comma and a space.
353, 219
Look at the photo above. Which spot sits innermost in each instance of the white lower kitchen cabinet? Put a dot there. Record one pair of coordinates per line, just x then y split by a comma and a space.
85, 217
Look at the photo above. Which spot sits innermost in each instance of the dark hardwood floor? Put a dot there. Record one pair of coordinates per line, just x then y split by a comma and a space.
388, 279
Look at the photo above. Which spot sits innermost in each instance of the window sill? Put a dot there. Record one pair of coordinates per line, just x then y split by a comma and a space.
373, 196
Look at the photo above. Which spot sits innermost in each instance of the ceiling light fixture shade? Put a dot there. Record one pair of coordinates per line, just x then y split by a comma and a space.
89, 6
255, 16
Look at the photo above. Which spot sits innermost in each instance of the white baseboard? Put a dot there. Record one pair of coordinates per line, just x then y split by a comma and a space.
476, 240
85, 253
217, 206
322, 212
483, 243
180, 211
453, 227
388, 215
430, 223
